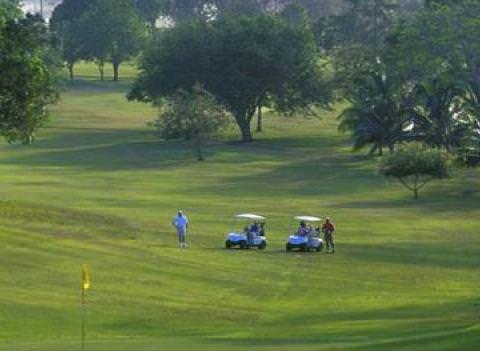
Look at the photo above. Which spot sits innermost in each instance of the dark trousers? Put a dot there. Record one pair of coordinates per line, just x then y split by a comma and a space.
329, 241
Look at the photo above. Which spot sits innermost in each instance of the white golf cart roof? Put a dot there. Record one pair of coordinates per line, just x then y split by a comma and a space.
250, 216
308, 219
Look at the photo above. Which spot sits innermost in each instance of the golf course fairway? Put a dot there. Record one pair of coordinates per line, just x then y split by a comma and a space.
98, 188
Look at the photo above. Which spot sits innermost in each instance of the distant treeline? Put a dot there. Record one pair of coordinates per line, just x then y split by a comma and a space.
409, 69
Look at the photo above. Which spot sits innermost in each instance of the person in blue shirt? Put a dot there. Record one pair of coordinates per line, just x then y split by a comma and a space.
252, 233
302, 229
180, 222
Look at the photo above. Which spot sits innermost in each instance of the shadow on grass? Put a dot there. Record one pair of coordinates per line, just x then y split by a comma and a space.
296, 177
442, 198
103, 150
117, 149
385, 325
88, 85
447, 254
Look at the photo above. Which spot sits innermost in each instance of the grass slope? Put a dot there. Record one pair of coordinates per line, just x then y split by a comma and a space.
98, 188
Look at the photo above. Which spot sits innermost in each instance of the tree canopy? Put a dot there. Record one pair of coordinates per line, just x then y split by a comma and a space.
27, 84
240, 60
430, 59
414, 166
192, 115
102, 30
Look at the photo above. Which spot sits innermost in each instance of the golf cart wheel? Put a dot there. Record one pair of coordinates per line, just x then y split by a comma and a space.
288, 247
262, 246
228, 244
243, 245
319, 248
304, 248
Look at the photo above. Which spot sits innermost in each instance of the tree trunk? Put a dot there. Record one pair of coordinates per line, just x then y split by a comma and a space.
101, 70
246, 131
391, 148
198, 146
415, 187
70, 70
116, 66
259, 119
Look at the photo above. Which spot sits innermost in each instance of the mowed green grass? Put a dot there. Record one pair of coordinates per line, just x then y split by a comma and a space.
98, 188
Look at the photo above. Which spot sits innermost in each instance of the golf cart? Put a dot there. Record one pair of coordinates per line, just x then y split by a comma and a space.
307, 237
253, 234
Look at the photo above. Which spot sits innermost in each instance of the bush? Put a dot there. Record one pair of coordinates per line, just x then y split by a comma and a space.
194, 116
414, 166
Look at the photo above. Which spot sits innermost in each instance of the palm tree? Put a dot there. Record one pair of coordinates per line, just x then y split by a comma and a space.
443, 117
378, 115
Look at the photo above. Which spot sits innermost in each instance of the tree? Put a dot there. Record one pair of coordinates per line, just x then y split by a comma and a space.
362, 24
379, 112
102, 30
469, 152
437, 52
114, 30
193, 115
150, 11
27, 85
66, 25
9, 9
414, 166
441, 119
187, 10
240, 60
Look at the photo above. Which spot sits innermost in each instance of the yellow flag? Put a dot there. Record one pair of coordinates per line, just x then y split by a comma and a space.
85, 277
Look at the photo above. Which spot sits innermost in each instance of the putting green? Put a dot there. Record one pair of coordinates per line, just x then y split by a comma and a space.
99, 188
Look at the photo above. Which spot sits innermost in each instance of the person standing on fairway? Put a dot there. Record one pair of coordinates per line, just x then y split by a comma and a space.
328, 229
180, 222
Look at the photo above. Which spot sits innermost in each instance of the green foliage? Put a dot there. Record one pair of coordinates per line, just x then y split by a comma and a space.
65, 23
187, 10
99, 30
27, 83
240, 60
192, 115
361, 27
9, 9
379, 112
422, 70
414, 166
355, 41
437, 52
469, 150
151, 10
114, 31
440, 116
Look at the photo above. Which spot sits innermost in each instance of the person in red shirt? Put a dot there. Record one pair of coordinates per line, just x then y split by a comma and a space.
328, 229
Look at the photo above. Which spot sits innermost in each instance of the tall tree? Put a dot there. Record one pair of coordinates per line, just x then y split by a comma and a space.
240, 60
441, 119
65, 23
362, 23
437, 51
380, 111
114, 32
27, 85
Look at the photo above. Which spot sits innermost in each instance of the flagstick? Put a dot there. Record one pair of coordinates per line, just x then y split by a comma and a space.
83, 319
